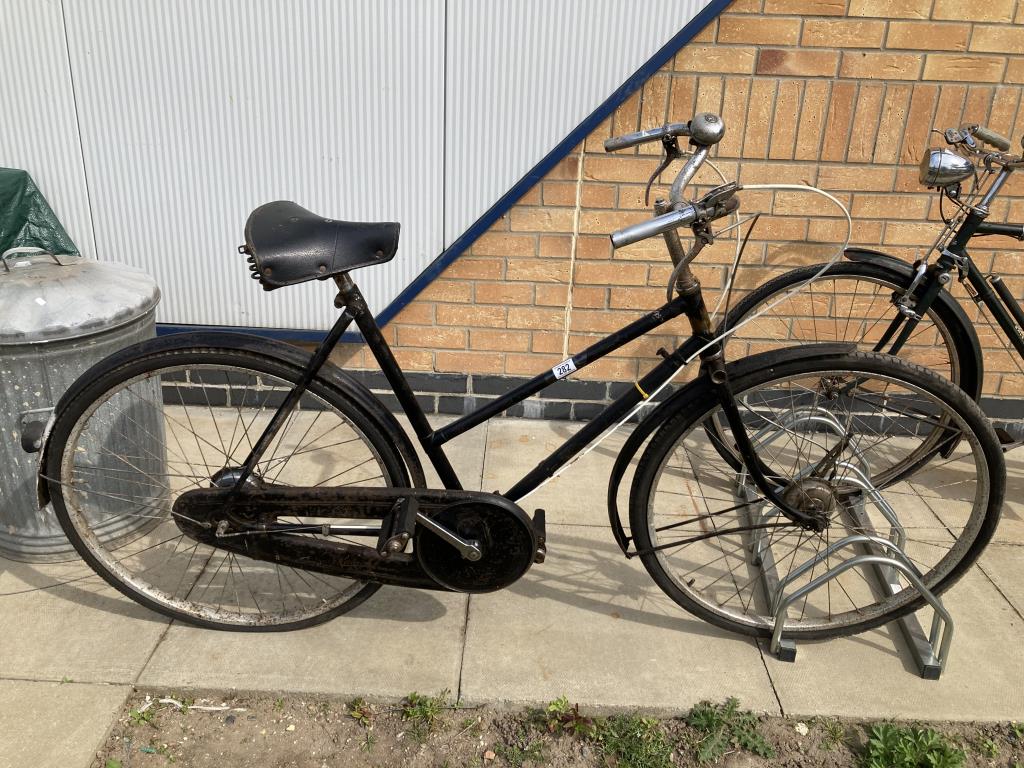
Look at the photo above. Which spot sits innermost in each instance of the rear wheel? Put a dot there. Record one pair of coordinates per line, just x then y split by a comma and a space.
829, 425
134, 436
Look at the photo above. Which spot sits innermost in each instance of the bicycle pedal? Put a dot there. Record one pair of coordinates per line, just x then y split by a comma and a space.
541, 533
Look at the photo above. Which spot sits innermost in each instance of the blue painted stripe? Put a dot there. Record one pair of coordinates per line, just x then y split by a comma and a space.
510, 198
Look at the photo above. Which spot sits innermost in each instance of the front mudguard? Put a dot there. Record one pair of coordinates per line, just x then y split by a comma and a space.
680, 400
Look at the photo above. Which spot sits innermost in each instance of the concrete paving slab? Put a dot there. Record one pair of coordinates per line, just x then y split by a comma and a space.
576, 497
1011, 526
400, 640
82, 630
872, 675
48, 725
590, 625
1004, 564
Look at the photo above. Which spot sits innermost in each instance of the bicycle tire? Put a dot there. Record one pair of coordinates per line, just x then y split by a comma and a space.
699, 575
256, 382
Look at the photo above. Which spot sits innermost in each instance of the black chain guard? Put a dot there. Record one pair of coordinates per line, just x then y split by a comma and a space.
506, 537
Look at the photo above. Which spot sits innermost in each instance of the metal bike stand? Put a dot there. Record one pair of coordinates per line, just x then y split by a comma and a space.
886, 569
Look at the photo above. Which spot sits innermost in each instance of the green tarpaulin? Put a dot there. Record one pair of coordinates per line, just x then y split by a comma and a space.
26, 219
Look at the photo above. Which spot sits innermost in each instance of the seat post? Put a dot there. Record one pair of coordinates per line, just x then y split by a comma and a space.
350, 297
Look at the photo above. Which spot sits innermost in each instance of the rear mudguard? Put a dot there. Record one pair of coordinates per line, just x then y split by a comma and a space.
375, 411
681, 399
971, 377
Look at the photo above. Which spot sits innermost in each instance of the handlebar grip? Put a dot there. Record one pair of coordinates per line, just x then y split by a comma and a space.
992, 138
656, 226
642, 137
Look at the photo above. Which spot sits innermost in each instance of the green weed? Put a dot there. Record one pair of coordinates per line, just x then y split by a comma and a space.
987, 747
560, 717
423, 711
518, 754
894, 746
634, 741
722, 726
833, 733
366, 745
142, 717
361, 712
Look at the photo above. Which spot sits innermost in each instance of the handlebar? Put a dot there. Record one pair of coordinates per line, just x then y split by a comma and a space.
642, 137
705, 130
719, 202
656, 226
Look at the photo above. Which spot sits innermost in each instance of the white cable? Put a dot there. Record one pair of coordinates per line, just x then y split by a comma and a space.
832, 260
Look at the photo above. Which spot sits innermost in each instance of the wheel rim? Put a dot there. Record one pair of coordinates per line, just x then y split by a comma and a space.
941, 518
149, 438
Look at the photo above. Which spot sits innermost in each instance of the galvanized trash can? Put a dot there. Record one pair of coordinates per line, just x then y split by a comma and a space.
59, 316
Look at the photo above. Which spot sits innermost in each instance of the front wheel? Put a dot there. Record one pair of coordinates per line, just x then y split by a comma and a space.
829, 425
134, 435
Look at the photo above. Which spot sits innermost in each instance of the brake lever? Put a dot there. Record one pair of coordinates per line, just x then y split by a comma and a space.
672, 152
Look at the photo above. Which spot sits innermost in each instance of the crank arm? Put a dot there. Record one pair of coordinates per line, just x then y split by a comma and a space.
469, 549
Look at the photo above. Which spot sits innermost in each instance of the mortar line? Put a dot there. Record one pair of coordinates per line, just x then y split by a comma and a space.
55, 681
152, 653
771, 682
1002, 594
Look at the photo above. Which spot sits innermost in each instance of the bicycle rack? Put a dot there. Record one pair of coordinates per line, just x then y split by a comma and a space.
930, 651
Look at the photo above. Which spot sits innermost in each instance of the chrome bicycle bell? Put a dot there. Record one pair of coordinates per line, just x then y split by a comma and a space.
707, 129
943, 168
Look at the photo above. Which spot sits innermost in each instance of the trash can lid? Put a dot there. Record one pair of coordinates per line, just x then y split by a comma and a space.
45, 298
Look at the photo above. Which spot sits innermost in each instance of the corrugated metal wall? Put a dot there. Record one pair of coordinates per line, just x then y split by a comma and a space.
154, 127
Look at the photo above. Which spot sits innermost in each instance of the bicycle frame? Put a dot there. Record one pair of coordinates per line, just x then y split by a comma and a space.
433, 440
689, 301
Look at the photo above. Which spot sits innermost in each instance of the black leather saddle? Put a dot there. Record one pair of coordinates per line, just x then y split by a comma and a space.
287, 244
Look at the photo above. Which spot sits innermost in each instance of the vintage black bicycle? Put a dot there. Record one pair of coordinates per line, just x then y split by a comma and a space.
238, 483
882, 303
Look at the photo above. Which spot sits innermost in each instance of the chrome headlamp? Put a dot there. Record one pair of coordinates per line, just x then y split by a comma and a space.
943, 168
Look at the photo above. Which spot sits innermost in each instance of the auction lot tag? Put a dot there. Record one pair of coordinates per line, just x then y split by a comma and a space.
564, 368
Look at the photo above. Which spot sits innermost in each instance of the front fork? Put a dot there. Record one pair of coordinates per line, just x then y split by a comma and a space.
713, 366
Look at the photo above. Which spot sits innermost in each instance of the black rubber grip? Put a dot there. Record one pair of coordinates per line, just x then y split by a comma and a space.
642, 137
991, 138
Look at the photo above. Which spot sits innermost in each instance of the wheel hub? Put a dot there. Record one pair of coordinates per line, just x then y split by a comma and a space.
228, 478
813, 497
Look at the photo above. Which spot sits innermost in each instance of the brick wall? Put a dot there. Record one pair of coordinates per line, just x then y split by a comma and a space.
839, 94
